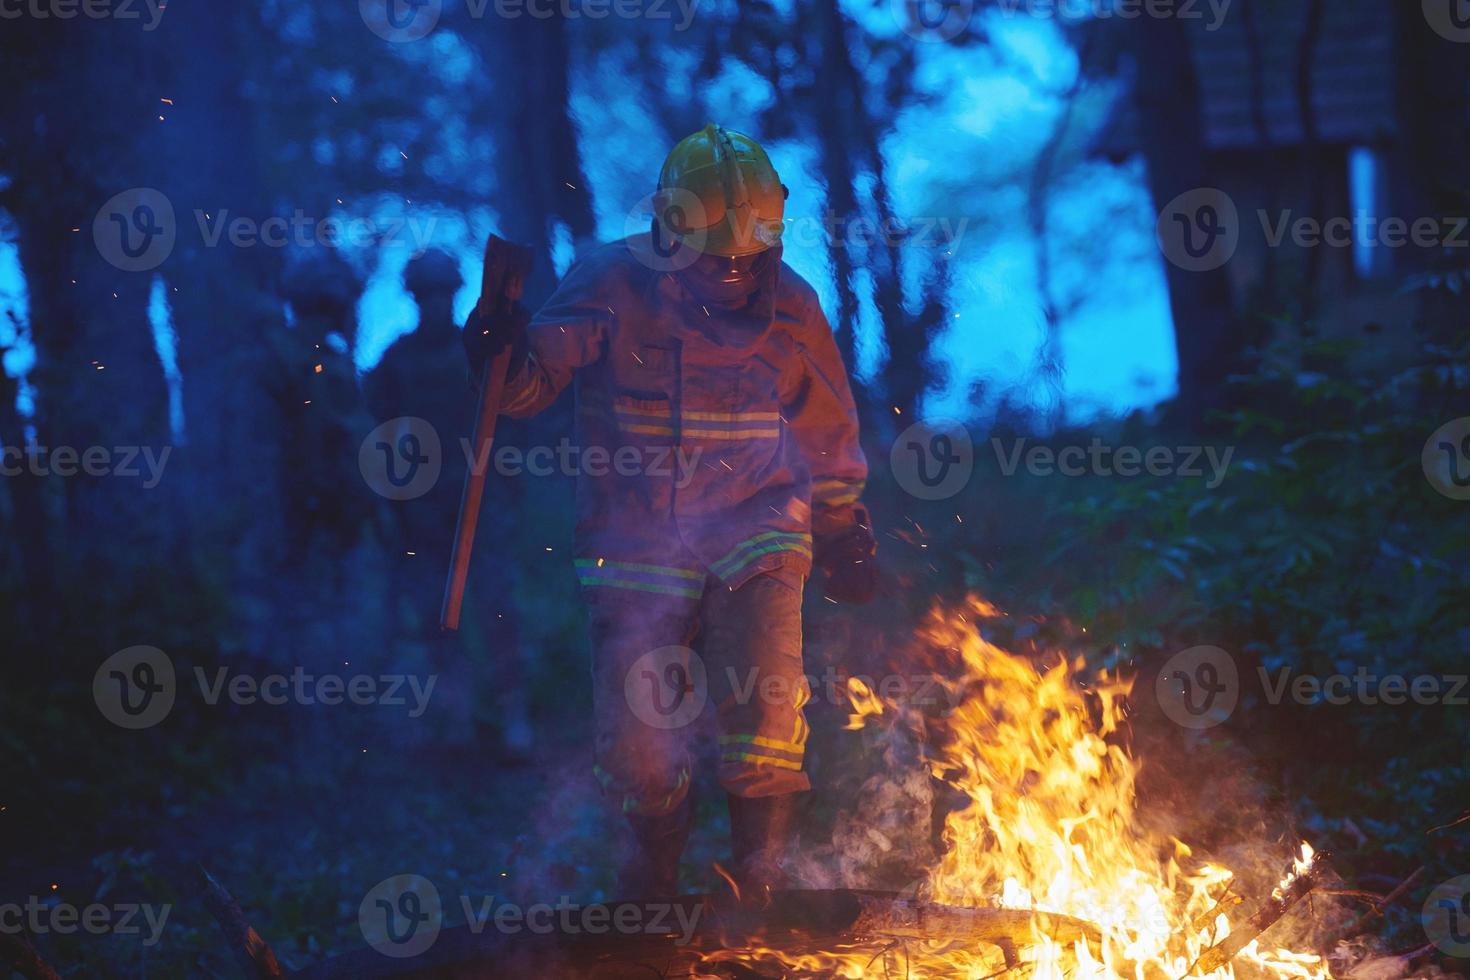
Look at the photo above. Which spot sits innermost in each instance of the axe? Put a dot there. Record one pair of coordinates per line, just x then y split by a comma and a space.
506, 268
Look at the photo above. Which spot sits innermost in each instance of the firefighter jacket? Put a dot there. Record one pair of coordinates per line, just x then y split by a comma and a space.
713, 443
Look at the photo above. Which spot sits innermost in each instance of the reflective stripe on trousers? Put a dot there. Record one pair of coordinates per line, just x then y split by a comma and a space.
650, 690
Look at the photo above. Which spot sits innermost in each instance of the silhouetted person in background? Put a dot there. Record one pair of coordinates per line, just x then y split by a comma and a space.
422, 375
313, 381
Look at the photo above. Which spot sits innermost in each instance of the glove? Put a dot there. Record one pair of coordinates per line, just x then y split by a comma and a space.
485, 337
499, 320
848, 558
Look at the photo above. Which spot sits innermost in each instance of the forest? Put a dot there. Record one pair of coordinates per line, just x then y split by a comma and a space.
1155, 313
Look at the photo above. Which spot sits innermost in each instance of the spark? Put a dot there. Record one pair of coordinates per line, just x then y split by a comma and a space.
317, 369
636, 357
169, 101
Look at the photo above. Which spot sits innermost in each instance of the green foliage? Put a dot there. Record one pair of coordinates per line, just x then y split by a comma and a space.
1323, 550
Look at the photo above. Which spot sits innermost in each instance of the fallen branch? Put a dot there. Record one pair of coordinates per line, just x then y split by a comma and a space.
1006, 928
1398, 892
798, 922
1227, 902
253, 953
1264, 918
1453, 823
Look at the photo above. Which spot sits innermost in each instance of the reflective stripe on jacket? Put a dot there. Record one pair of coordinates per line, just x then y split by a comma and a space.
710, 442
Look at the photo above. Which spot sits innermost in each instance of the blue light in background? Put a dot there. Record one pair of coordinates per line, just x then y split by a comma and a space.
166, 343
1363, 189
15, 318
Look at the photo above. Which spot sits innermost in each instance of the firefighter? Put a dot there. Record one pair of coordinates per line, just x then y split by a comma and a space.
694, 350
311, 376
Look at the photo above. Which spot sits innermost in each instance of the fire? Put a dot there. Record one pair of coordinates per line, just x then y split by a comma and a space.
1050, 825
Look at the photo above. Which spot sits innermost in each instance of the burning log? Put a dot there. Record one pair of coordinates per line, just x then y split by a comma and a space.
793, 920
253, 953
1306, 877
862, 914
17, 953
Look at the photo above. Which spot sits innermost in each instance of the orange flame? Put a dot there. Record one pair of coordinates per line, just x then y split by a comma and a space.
1050, 825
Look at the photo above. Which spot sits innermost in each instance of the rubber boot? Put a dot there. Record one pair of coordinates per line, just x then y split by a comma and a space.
652, 870
760, 830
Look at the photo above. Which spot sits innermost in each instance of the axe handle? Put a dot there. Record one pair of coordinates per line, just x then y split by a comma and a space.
492, 382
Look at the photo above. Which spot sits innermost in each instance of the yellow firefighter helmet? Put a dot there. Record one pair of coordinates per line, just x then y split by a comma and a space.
719, 194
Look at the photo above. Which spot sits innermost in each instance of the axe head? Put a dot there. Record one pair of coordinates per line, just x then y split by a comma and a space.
506, 269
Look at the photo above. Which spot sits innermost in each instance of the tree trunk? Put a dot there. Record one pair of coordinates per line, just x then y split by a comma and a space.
1171, 130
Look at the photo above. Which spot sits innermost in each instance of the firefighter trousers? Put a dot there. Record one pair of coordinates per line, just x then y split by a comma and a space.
650, 688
